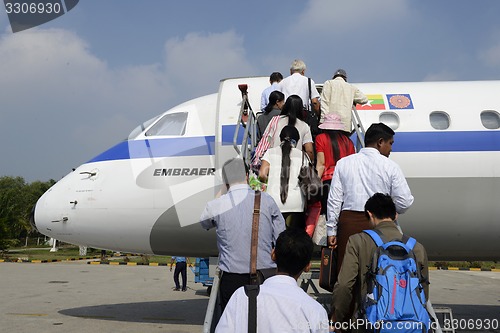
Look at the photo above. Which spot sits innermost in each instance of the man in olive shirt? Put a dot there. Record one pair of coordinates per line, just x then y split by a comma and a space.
351, 285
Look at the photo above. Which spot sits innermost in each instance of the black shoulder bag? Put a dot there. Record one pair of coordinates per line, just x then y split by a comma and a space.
310, 117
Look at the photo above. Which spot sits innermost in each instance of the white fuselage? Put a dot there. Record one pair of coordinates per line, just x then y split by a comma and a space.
146, 194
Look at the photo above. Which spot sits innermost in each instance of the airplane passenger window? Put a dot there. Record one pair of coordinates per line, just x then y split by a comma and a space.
170, 124
391, 119
490, 119
440, 120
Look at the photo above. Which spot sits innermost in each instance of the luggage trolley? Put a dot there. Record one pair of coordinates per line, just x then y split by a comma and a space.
202, 273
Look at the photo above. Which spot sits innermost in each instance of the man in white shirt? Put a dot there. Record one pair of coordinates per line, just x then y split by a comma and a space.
282, 306
356, 178
297, 84
274, 79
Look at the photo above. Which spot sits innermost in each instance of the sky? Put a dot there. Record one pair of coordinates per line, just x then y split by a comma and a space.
75, 86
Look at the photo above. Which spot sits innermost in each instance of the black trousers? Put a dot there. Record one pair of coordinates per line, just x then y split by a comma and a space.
229, 282
324, 197
180, 268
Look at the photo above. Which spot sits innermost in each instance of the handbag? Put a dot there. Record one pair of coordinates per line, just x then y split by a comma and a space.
319, 235
328, 268
309, 181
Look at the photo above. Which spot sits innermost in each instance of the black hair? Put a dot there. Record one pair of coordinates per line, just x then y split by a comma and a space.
293, 109
287, 134
234, 171
381, 206
376, 132
335, 136
275, 77
293, 251
274, 97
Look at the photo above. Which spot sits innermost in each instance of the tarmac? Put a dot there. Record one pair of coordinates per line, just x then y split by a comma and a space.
77, 297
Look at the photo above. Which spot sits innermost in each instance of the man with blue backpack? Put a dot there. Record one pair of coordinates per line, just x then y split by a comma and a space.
383, 284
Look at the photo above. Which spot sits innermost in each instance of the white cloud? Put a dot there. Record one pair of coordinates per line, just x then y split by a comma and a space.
62, 105
338, 17
46, 63
200, 61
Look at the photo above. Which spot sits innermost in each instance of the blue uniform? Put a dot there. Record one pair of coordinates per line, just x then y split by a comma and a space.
180, 268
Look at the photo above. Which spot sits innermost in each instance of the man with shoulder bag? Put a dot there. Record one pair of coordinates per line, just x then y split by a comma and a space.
304, 87
232, 214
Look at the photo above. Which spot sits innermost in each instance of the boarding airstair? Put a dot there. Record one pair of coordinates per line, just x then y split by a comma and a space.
358, 128
247, 121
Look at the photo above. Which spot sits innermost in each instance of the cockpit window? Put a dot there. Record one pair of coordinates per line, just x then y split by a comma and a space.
139, 129
170, 124
490, 119
440, 120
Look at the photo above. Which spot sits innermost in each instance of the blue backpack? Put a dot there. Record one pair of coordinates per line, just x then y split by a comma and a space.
395, 300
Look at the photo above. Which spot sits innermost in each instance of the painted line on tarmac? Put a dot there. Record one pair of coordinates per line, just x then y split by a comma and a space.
28, 314
122, 263
37, 261
464, 269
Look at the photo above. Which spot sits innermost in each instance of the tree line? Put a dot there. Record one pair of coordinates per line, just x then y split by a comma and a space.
17, 199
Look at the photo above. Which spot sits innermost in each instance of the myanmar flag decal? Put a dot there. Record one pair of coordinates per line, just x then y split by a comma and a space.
375, 102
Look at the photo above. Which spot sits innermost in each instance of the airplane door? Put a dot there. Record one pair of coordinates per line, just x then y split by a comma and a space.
228, 109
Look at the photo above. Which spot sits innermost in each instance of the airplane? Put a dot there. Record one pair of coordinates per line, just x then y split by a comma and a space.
146, 194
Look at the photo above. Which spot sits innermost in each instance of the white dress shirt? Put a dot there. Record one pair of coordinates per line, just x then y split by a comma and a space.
296, 84
359, 176
282, 306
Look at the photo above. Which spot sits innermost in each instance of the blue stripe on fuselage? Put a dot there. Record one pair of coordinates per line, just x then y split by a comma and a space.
164, 147
446, 141
228, 134
412, 142
204, 145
